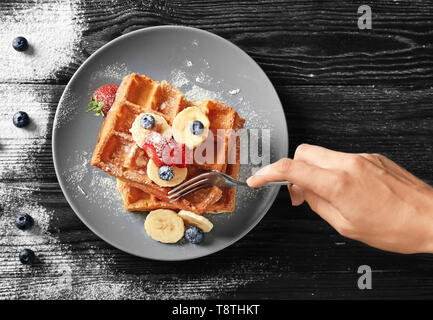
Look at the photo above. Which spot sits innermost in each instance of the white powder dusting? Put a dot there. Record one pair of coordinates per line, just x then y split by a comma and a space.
204, 78
54, 258
24, 98
53, 30
178, 78
107, 188
197, 93
235, 91
17, 199
68, 110
108, 74
83, 180
14, 200
15, 141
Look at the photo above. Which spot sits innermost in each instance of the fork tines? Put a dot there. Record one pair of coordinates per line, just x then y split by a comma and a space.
199, 182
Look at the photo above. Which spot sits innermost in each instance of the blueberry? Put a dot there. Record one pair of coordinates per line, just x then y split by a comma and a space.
21, 119
27, 256
194, 235
166, 173
148, 121
20, 44
197, 127
23, 221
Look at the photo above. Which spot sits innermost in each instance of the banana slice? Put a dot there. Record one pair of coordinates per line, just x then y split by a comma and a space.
164, 225
153, 174
160, 125
193, 219
190, 127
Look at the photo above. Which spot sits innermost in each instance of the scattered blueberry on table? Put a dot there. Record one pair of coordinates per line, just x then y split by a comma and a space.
27, 256
23, 221
194, 235
20, 44
166, 173
197, 127
21, 119
148, 121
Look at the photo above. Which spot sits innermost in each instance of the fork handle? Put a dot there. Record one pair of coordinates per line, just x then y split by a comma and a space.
273, 183
279, 183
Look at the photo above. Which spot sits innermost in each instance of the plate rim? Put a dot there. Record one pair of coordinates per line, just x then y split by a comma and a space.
55, 159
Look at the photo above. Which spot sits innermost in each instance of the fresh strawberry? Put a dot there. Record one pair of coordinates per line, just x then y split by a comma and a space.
164, 151
153, 154
155, 145
102, 99
179, 155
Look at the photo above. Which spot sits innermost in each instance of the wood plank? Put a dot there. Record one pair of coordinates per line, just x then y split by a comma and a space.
278, 259
296, 42
396, 121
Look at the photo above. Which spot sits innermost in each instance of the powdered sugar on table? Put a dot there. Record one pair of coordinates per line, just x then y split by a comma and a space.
53, 30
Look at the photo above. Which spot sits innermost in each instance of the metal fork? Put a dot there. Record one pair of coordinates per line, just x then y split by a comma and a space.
208, 179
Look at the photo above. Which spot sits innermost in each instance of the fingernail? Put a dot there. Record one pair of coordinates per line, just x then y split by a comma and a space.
249, 180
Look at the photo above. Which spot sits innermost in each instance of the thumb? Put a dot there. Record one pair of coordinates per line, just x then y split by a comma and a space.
296, 194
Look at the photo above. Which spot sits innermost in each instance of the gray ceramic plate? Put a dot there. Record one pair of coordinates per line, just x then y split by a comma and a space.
203, 65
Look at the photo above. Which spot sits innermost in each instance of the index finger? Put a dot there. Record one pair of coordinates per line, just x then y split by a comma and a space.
308, 176
320, 156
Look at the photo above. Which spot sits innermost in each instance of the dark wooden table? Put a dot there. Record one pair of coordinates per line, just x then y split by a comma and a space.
341, 87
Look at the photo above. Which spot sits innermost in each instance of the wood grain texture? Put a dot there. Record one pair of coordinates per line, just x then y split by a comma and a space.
295, 42
341, 88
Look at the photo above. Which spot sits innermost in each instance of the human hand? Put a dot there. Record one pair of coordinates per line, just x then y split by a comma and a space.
366, 197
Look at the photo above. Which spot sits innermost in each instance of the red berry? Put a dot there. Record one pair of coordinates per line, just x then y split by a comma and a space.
179, 155
165, 151
103, 99
154, 145
152, 154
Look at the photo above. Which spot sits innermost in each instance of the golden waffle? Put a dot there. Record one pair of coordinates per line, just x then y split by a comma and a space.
117, 154
135, 199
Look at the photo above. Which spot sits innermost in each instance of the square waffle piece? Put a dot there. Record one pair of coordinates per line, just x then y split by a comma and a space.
135, 199
117, 154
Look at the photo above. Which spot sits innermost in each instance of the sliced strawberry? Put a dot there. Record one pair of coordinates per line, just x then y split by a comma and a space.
154, 145
103, 99
152, 154
179, 155
165, 151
